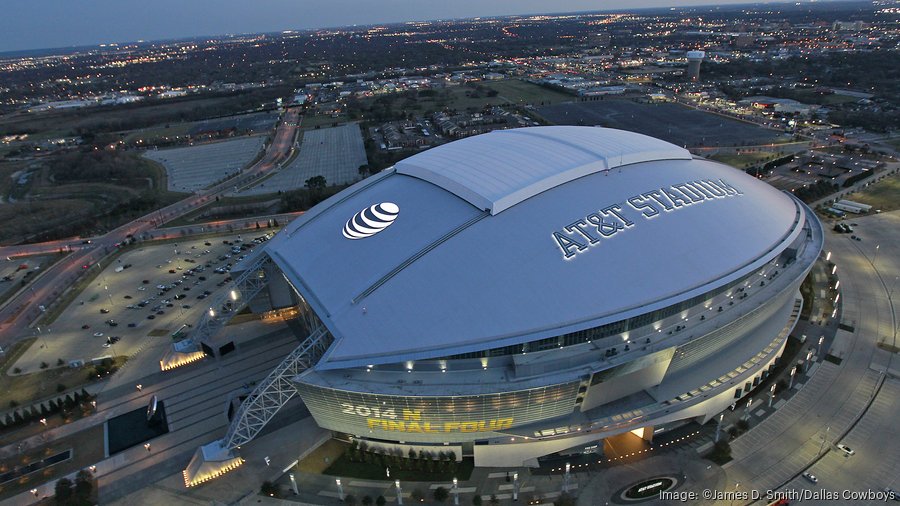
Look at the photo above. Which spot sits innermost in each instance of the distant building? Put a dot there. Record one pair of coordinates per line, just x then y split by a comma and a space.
848, 25
694, 58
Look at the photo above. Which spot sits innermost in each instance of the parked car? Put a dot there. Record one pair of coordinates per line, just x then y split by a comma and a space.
846, 449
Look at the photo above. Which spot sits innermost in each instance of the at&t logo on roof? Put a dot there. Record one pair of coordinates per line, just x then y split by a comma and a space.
371, 220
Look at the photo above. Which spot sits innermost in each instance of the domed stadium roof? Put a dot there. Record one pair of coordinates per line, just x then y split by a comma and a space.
522, 234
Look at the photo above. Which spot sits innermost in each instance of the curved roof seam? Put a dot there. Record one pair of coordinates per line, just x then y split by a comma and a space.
550, 159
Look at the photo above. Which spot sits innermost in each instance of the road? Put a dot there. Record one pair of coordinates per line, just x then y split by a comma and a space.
21, 310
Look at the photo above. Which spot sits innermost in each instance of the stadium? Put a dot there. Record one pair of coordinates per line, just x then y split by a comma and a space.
530, 292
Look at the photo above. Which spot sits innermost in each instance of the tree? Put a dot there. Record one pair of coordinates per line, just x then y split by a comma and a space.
564, 499
494, 499
268, 488
380, 501
721, 452
63, 491
84, 484
441, 494
417, 496
350, 500
476, 501
316, 183
367, 500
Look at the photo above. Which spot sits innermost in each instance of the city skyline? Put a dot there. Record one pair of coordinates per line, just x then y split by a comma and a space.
49, 24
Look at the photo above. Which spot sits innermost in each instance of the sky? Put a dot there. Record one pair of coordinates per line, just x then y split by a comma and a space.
35, 24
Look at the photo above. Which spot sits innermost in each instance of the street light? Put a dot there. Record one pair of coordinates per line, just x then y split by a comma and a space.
340, 489
771, 394
821, 340
793, 371
824, 438
566, 478
719, 427
147, 446
455, 492
399, 492
515, 486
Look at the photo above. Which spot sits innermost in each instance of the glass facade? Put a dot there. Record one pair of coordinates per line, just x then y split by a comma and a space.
602, 331
414, 417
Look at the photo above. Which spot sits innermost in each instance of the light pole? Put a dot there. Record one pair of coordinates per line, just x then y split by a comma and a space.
294, 484
809, 355
340, 489
747, 409
736, 487
399, 492
719, 427
824, 438
771, 394
821, 340
516, 487
455, 492
791, 384
566, 478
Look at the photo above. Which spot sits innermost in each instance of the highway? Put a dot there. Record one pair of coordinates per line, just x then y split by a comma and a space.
21, 310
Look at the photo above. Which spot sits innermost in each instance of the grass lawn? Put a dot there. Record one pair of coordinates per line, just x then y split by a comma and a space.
207, 212
883, 195
811, 97
743, 160
311, 121
523, 92
29, 386
155, 134
510, 91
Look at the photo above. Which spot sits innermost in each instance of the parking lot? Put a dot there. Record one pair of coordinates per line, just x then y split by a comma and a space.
334, 153
146, 294
671, 122
196, 167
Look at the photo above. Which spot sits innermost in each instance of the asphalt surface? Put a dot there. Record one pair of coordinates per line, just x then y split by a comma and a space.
854, 402
118, 296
